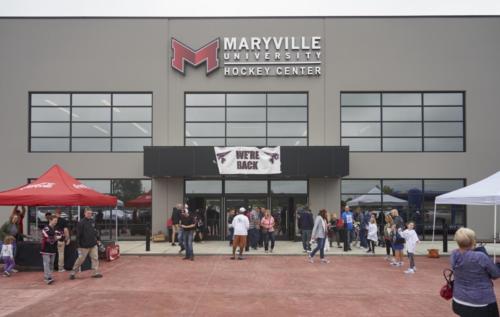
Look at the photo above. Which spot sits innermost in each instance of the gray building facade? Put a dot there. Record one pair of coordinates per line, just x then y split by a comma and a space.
416, 99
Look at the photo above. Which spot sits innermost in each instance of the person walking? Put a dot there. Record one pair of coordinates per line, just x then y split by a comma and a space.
347, 218
177, 230
230, 217
50, 238
398, 244
87, 239
7, 254
319, 233
253, 232
188, 226
306, 224
411, 238
64, 240
372, 235
241, 224
388, 237
267, 227
473, 290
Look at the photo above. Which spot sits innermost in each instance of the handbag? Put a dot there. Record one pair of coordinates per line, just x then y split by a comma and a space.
446, 291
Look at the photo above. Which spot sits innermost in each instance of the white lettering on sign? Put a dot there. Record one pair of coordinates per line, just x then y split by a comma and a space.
38, 186
80, 186
248, 160
272, 56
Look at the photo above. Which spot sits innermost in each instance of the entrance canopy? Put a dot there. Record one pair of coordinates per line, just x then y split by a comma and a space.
55, 188
486, 192
373, 198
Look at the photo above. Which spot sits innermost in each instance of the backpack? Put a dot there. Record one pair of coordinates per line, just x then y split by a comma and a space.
340, 223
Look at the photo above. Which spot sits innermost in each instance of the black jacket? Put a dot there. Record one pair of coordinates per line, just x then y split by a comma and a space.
86, 234
176, 216
306, 221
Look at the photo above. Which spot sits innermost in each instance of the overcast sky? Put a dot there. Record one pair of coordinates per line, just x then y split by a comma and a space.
219, 8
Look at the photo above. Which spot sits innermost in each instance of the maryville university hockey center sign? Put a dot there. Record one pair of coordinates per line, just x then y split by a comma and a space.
253, 56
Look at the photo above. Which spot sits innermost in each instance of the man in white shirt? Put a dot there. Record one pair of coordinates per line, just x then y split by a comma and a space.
241, 226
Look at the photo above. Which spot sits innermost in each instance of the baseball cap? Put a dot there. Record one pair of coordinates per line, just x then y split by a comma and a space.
242, 209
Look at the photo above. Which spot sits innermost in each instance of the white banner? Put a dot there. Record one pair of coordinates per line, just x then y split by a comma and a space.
248, 160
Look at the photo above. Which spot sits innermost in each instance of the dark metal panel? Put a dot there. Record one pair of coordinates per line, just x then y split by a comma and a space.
199, 161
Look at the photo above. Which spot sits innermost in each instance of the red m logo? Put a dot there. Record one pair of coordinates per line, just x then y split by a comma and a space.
208, 53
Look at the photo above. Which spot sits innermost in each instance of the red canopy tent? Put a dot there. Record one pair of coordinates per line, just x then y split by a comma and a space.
141, 201
55, 188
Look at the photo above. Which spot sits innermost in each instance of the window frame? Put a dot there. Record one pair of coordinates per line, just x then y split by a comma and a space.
422, 120
111, 106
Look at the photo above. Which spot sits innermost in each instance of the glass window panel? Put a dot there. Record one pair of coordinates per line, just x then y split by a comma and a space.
91, 99
402, 129
102, 186
246, 142
360, 99
402, 144
205, 114
360, 129
127, 189
50, 114
401, 99
446, 99
287, 114
205, 129
356, 202
246, 99
402, 186
443, 129
50, 99
204, 187
287, 99
442, 186
287, 129
246, 129
402, 114
289, 187
246, 114
205, 100
443, 113
361, 114
132, 99
287, 141
132, 129
362, 144
131, 114
88, 144
205, 141
91, 129
443, 144
91, 114
50, 129
360, 186
136, 144
246, 186
50, 145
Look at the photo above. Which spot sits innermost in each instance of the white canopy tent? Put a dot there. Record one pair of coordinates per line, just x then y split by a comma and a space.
373, 198
485, 192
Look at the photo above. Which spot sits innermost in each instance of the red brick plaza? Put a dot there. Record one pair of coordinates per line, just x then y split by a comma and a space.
216, 286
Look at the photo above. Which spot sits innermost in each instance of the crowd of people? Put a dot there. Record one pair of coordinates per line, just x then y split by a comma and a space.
55, 239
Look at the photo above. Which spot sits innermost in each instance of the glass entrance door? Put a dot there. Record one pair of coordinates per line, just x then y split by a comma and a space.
284, 210
212, 215
247, 202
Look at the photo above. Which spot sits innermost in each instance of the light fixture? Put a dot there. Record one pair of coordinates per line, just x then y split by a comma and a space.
50, 102
104, 101
138, 126
101, 129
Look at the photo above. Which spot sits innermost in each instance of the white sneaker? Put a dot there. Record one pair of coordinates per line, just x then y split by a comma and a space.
325, 261
414, 269
399, 264
409, 271
393, 263
62, 270
311, 260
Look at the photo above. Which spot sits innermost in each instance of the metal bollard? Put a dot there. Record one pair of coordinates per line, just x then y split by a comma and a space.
148, 238
445, 237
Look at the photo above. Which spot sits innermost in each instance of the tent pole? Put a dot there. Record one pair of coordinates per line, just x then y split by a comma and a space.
434, 223
495, 236
78, 213
36, 223
116, 228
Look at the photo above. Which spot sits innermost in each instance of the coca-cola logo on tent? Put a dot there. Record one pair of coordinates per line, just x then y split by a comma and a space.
46, 185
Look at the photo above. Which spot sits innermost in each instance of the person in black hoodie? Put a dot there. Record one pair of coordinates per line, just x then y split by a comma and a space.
306, 224
87, 238
50, 236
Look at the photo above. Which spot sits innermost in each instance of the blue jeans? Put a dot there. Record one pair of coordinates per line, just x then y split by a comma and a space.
306, 239
320, 245
254, 237
180, 237
363, 241
268, 236
188, 242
